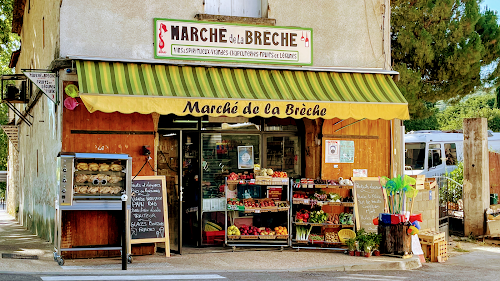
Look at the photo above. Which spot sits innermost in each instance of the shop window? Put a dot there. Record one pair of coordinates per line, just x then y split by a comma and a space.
450, 150
231, 124
278, 124
220, 158
414, 156
434, 155
237, 8
283, 154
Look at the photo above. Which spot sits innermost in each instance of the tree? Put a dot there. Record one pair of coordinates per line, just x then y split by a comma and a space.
452, 117
439, 48
8, 43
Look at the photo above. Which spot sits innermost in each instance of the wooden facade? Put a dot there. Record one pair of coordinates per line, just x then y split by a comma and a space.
494, 172
372, 144
100, 132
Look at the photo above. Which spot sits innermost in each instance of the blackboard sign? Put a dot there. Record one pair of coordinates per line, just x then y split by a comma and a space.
369, 201
148, 212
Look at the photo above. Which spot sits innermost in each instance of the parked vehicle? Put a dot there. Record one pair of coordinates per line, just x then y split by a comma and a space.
433, 153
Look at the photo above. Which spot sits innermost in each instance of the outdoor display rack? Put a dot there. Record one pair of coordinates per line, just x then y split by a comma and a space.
265, 215
339, 211
92, 182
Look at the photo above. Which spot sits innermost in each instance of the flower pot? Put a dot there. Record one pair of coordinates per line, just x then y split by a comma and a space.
376, 253
351, 253
368, 254
357, 253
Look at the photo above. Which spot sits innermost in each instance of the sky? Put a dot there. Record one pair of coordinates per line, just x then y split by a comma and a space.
492, 5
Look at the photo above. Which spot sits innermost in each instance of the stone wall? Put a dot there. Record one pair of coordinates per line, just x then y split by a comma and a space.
428, 208
346, 33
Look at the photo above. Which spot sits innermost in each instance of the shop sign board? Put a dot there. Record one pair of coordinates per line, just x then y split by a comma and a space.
149, 215
369, 202
229, 42
337, 151
45, 81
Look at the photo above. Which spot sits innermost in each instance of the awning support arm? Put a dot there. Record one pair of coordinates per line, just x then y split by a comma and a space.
18, 113
349, 124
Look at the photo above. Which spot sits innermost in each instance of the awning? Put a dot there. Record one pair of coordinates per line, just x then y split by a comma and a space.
225, 91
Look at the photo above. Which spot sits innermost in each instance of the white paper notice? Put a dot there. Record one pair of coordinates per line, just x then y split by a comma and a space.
332, 151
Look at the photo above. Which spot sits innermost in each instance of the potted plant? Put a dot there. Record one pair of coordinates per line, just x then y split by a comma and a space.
361, 238
351, 245
368, 245
377, 239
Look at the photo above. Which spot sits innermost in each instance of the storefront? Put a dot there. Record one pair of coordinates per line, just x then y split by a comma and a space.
203, 115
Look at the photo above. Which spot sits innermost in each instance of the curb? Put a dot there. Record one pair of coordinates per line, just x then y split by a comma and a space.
409, 264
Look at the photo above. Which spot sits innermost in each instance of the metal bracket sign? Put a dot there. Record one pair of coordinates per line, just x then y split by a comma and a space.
46, 82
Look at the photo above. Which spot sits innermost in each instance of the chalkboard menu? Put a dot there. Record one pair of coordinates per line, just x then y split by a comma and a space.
369, 202
148, 213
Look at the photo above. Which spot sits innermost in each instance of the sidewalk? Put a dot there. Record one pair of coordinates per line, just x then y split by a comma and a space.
14, 239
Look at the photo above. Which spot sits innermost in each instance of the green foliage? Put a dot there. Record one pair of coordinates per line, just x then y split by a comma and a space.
8, 43
351, 244
476, 106
452, 192
429, 123
439, 48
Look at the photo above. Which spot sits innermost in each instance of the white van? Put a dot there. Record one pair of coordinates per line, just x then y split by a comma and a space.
433, 153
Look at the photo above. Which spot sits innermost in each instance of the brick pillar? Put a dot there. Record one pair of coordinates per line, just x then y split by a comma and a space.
476, 191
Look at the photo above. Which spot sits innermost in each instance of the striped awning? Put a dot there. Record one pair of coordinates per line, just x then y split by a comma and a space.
224, 91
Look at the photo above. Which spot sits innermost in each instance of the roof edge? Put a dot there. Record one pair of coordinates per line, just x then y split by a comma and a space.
278, 67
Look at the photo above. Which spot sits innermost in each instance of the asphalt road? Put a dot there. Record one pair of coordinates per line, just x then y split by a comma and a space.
480, 264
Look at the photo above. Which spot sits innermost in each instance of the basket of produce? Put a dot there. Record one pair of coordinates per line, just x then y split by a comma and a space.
346, 234
316, 238
249, 236
332, 237
233, 232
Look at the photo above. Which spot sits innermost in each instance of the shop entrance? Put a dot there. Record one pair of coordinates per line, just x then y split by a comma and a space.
178, 161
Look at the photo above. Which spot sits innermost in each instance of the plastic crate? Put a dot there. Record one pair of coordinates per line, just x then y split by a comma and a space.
213, 237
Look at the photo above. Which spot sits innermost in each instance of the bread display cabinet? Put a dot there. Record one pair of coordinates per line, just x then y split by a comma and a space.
320, 209
91, 186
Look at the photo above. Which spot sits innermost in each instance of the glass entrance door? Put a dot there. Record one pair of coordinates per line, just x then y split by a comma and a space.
169, 165
178, 161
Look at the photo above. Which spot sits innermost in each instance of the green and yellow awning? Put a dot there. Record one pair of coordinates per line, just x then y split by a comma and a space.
224, 91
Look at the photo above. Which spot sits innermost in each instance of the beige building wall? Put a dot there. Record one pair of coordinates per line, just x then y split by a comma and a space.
32, 181
428, 208
346, 33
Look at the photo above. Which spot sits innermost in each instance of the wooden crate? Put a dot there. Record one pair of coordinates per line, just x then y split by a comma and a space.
431, 237
437, 252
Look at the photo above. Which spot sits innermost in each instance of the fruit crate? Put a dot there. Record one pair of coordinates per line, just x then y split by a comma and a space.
233, 237
436, 252
431, 237
267, 237
213, 237
281, 237
249, 237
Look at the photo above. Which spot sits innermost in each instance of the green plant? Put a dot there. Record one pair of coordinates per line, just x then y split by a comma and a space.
351, 244
377, 239
452, 192
361, 238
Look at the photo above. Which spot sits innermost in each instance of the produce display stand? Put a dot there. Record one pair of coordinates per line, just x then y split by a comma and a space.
298, 204
276, 212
